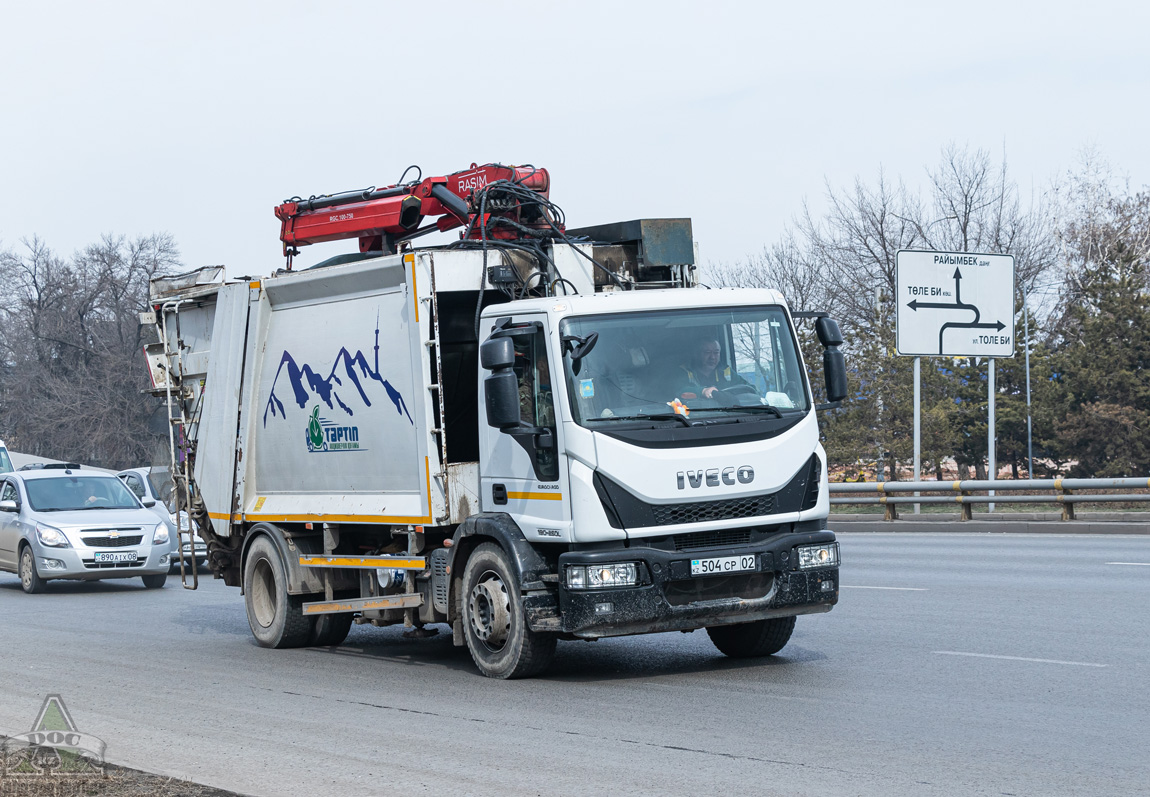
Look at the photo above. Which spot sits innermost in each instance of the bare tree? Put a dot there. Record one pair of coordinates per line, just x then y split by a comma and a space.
845, 260
69, 337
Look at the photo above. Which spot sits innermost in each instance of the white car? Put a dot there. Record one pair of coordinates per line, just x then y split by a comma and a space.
67, 523
142, 482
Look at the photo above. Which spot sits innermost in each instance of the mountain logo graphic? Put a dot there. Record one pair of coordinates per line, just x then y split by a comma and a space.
306, 382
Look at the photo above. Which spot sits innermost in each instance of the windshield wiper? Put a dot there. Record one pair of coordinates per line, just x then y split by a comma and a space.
659, 416
748, 408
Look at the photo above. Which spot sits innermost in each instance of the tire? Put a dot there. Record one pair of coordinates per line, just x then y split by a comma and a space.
30, 580
276, 618
155, 582
494, 623
748, 640
330, 629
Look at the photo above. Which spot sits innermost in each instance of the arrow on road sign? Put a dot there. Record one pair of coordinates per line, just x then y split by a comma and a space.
957, 304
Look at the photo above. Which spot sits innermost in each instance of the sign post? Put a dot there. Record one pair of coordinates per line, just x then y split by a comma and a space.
954, 304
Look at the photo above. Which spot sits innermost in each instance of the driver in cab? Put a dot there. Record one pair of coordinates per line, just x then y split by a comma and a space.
703, 376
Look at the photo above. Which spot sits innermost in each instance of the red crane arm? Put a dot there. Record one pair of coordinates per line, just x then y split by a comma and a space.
378, 217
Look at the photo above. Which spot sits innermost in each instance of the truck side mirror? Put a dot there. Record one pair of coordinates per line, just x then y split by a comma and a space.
501, 394
835, 373
828, 331
834, 365
9, 506
497, 353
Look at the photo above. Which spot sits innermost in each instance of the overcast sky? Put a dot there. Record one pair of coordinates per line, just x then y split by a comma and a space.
197, 118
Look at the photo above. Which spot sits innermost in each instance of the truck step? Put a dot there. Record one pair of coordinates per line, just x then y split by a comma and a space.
362, 604
370, 562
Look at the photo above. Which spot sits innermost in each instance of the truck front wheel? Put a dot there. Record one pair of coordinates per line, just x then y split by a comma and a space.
276, 618
747, 640
495, 626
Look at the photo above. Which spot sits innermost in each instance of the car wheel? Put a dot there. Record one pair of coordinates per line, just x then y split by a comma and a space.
30, 580
275, 617
747, 640
494, 622
154, 582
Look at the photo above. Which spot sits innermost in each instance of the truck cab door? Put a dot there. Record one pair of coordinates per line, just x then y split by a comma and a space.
521, 470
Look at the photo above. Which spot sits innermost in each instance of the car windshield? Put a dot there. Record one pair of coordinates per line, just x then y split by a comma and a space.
68, 493
5, 463
733, 363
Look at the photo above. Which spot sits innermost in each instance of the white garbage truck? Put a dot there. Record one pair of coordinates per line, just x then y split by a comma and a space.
531, 434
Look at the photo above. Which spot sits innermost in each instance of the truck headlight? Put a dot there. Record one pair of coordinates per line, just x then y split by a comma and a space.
812, 556
625, 574
53, 538
161, 535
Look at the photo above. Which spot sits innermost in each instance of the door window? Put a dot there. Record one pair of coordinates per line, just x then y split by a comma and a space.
134, 484
536, 400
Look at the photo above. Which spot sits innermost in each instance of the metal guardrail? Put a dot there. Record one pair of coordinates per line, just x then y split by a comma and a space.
1056, 491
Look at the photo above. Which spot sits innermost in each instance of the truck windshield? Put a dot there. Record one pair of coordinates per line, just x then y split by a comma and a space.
5, 463
695, 363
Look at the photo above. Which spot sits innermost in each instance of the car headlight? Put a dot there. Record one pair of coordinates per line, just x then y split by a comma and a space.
812, 556
53, 538
161, 535
625, 574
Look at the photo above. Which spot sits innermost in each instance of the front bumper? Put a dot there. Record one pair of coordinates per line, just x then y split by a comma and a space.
669, 598
80, 563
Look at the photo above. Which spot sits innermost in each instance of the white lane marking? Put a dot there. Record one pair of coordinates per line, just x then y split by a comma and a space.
900, 589
1019, 658
1132, 564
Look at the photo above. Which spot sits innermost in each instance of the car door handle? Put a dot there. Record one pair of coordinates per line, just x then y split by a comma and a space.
499, 494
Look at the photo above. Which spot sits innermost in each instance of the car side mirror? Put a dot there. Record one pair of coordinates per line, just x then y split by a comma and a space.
149, 503
9, 506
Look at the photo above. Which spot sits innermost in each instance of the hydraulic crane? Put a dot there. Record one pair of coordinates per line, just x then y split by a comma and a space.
493, 201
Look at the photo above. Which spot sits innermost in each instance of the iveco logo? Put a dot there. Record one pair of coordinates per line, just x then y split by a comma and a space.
715, 476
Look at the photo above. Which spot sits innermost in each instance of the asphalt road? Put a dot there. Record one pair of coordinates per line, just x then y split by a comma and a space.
953, 664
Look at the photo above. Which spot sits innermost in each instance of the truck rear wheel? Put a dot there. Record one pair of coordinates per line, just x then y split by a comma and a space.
494, 623
276, 618
330, 629
747, 640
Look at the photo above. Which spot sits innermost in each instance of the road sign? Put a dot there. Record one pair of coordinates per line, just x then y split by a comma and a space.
956, 304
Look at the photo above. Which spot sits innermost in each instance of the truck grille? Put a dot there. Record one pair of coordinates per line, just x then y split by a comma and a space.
701, 511
712, 539
112, 542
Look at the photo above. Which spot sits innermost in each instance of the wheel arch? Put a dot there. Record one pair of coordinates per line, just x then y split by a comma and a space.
301, 580
497, 527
